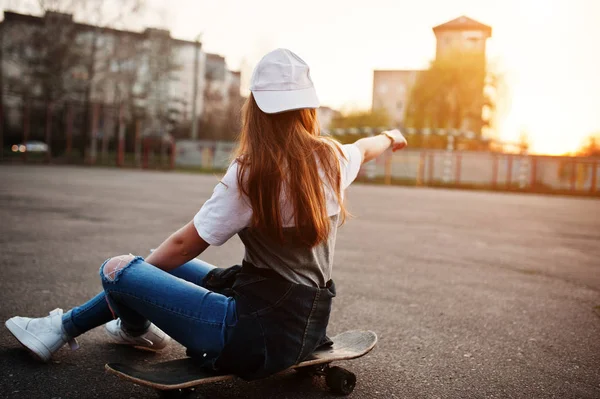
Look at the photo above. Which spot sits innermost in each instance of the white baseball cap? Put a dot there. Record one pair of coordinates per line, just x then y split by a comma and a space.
281, 82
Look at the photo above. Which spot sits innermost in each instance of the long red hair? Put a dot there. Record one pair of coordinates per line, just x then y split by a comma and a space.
285, 151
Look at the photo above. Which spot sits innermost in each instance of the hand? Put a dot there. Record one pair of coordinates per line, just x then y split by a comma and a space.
398, 140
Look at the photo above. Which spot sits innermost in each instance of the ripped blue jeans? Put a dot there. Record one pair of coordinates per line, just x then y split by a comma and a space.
140, 293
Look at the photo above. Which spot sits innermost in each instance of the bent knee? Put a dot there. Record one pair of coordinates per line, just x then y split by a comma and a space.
114, 265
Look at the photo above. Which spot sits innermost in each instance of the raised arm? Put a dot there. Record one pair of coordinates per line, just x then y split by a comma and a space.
372, 147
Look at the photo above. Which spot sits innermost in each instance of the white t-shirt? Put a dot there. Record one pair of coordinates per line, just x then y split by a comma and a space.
226, 213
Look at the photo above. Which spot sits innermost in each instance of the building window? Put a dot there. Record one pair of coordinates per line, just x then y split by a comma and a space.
472, 35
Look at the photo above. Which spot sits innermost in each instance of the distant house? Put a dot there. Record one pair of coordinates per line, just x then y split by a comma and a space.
462, 33
392, 88
391, 91
221, 86
150, 71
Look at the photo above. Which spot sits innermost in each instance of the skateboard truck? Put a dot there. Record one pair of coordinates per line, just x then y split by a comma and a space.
339, 380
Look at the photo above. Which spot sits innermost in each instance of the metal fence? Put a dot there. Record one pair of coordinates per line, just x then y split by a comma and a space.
465, 169
488, 170
109, 139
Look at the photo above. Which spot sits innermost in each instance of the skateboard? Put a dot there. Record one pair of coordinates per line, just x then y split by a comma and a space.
175, 378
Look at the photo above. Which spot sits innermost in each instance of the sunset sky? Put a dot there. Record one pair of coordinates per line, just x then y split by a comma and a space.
547, 50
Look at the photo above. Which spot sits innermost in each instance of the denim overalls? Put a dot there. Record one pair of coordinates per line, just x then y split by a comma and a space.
279, 324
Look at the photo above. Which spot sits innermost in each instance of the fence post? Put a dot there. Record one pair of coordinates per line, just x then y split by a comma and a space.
145, 152
108, 124
173, 154
26, 123
431, 165
121, 138
93, 133
69, 133
388, 168
523, 171
371, 166
161, 151
448, 159
138, 143
49, 109
458, 170
533, 173
573, 174
509, 172
495, 171
594, 174
421, 172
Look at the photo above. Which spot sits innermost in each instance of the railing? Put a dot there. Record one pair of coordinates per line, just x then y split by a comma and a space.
461, 169
488, 170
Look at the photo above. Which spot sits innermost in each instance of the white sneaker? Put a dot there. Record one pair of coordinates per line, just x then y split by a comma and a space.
42, 336
152, 340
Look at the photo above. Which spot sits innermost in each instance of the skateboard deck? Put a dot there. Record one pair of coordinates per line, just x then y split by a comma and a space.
184, 373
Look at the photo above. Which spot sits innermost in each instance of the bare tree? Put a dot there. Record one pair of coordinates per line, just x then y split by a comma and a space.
118, 70
57, 58
160, 66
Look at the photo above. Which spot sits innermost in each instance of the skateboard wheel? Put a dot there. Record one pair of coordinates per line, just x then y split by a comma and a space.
340, 381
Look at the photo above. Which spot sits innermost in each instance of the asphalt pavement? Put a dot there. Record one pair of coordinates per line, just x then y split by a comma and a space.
472, 294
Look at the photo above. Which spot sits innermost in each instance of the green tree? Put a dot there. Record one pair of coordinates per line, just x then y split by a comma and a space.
452, 93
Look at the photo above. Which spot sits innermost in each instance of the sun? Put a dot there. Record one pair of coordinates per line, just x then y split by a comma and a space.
550, 128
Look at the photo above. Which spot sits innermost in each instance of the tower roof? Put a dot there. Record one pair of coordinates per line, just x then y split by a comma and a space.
463, 23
